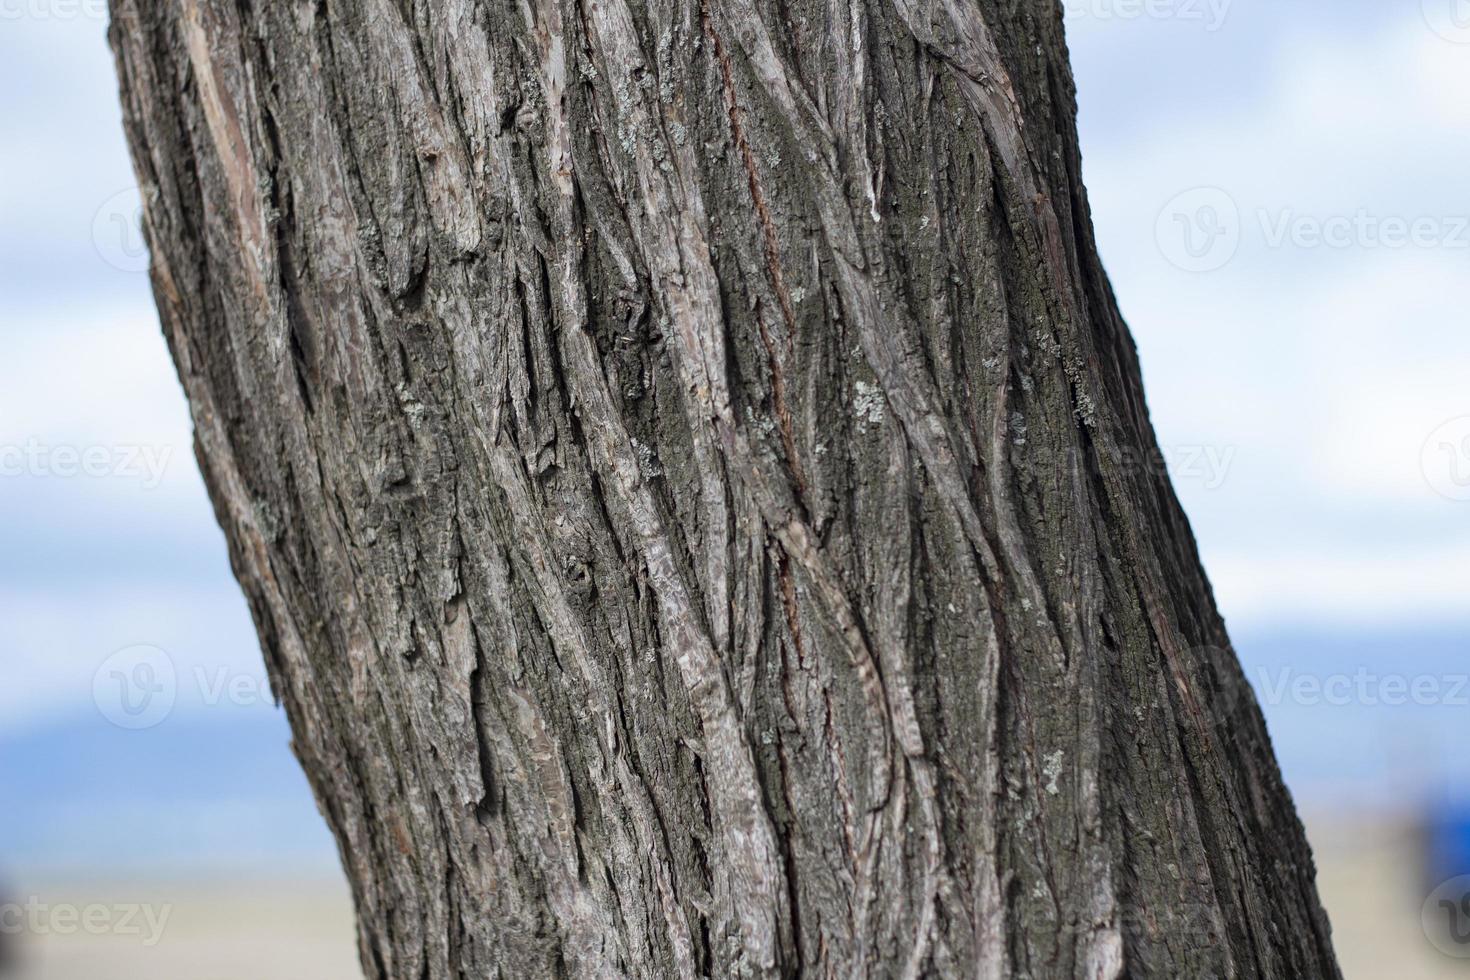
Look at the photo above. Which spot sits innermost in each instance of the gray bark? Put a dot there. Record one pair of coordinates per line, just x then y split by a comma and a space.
693, 486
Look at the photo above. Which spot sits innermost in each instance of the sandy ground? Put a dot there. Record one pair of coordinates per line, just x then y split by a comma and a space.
1370, 883
302, 930
262, 930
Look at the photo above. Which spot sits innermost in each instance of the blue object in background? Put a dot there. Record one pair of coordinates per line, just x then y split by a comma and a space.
1446, 840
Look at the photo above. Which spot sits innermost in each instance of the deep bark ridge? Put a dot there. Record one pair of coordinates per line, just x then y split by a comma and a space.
683, 459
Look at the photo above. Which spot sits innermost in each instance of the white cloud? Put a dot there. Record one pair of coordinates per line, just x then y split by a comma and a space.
1326, 368
94, 372
57, 639
1415, 588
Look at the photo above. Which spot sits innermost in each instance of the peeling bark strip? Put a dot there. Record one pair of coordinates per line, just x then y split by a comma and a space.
675, 452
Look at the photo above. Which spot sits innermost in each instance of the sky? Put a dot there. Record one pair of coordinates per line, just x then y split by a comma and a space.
1319, 347
1279, 195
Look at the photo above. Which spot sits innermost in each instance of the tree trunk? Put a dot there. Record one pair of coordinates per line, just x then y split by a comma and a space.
693, 486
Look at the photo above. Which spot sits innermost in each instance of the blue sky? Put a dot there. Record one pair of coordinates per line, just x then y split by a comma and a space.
1306, 392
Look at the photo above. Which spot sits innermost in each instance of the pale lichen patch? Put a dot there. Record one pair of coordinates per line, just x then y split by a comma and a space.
1052, 770
868, 404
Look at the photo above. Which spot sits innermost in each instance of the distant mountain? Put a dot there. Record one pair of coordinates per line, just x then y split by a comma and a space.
220, 790
1372, 719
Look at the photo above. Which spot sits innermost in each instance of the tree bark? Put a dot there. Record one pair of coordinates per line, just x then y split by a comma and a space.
692, 483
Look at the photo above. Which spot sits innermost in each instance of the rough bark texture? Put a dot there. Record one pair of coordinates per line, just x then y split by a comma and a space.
687, 469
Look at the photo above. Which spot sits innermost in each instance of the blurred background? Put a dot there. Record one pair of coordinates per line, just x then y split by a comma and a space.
1279, 192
